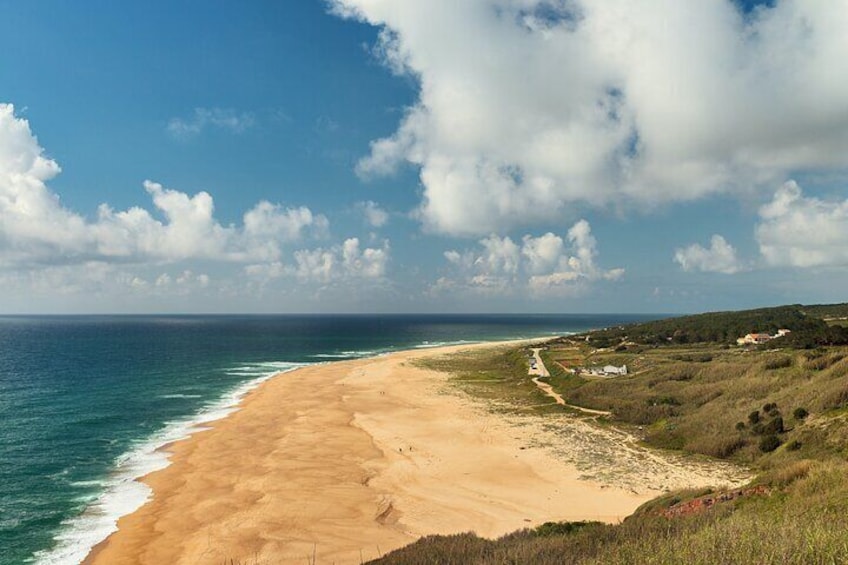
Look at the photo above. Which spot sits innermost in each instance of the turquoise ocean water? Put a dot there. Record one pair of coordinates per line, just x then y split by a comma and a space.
86, 401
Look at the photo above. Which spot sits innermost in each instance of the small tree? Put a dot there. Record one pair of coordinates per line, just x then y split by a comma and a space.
771, 409
754, 417
800, 413
775, 426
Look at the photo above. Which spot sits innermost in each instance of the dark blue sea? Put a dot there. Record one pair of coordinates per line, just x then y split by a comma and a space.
86, 401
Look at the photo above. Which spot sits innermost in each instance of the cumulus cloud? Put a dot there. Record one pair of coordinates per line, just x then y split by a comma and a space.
719, 258
547, 265
375, 216
800, 231
343, 262
529, 107
203, 118
37, 229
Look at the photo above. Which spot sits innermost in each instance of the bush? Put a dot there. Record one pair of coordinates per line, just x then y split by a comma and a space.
836, 399
769, 443
770, 408
778, 363
659, 400
740, 426
754, 417
561, 528
774, 426
800, 413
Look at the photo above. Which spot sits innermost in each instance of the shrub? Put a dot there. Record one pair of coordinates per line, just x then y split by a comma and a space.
770, 408
659, 400
793, 445
774, 426
800, 413
720, 447
740, 426
778, 363
821, 361
561, 528
754, 417
769, 443
836, 399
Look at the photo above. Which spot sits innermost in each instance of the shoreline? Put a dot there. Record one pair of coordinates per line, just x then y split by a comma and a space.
348, 460
124, 490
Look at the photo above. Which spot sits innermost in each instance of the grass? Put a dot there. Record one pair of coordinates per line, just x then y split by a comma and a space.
498, 376
692, 397
699, 399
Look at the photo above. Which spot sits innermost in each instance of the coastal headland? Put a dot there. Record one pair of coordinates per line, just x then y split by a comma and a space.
346, 461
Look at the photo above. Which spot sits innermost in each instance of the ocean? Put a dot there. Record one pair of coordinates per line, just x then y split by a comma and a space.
86, 401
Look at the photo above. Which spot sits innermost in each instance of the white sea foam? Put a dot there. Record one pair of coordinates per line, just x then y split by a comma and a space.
92, 483
123, 493
166, 396
345, 355
430, 344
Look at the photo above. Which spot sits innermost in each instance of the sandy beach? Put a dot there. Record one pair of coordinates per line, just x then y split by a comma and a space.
349, 460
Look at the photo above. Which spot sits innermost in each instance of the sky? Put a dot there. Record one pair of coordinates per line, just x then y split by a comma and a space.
336, 156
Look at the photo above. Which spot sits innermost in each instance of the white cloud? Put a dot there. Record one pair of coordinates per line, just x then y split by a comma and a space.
221, 118
37, 229
543, 266
267, 225
154, 255
800, 231
341, 263
719, 258
375, 216
100, 281
529, 107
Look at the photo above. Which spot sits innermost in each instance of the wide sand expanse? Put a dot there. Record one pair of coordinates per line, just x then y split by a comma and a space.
347, 461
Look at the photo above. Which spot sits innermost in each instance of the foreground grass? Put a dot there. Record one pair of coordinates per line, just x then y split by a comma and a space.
802, 521
699, 399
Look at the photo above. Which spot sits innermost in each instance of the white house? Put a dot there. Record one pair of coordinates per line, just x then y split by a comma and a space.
753, 339
758, 338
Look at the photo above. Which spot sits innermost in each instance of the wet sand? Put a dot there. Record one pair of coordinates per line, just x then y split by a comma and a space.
349, 460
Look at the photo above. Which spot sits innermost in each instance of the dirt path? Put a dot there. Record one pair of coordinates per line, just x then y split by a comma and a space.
549, 390
616, 457
542, 371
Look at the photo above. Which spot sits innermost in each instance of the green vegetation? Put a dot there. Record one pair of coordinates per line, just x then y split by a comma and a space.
781, 409
808, 324
722, 407
498, 376
827, 311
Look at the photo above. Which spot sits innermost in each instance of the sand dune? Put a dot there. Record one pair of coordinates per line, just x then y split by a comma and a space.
349, 460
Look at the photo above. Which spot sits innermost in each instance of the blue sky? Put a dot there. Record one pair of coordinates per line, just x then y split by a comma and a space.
370, 155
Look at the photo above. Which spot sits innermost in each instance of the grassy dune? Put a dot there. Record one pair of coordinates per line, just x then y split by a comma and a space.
702, 399
782, 412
